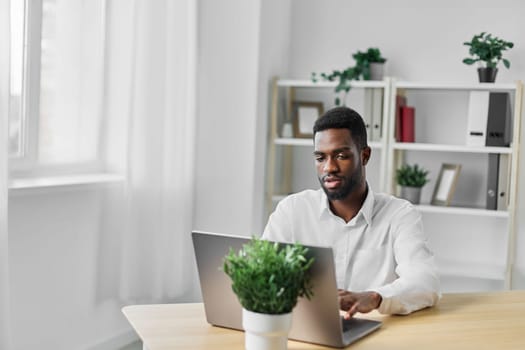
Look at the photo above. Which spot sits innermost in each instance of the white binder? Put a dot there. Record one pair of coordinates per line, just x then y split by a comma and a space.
478, 108
367, 112
377, 114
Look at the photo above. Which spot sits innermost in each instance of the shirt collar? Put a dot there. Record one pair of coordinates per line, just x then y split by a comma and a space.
368, 206
366, 209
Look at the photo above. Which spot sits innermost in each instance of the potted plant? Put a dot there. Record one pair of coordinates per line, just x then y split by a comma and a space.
268, 278
487, 51
368, 66
411, 178
372, 63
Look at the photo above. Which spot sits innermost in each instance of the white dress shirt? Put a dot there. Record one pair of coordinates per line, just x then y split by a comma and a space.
382, 249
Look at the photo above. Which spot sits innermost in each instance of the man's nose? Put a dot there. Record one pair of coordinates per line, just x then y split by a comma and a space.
330, 166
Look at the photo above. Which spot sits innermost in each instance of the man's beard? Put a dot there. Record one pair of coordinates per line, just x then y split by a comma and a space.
349, 184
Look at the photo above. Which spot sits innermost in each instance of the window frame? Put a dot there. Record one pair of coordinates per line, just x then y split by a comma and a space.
26, 163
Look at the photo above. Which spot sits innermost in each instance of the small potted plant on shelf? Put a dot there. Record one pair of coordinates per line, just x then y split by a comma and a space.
372, 63
368, 66
411, 178
487, 51
268, 278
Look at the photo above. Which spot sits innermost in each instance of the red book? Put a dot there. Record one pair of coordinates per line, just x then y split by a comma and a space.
400, 102
407, 123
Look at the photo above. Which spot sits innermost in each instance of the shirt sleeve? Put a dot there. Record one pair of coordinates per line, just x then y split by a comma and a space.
279, 227
418, 283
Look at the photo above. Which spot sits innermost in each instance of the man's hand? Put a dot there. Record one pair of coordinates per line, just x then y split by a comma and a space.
358, 302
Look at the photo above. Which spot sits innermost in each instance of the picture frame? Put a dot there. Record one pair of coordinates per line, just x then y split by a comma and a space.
446, 184
304, 116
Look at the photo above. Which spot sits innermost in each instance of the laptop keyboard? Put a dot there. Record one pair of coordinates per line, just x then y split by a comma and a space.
354, 325
346, 324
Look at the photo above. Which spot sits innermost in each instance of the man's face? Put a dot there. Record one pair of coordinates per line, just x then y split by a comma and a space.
340, 164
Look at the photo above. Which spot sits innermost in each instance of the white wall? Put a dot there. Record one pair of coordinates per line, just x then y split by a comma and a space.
242, 45
274, 49
226, 115
423, 42
53, 250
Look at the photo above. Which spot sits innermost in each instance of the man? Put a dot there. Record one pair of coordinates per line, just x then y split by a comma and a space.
380, 251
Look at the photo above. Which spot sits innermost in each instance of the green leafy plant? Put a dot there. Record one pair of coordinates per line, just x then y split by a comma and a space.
269, 277
363, 60
411, 176
487, 48
361, 70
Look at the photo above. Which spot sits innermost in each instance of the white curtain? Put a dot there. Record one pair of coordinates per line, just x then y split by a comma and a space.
5, 336
150, 111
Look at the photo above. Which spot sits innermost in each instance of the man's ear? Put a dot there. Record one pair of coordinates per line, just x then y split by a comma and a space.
365, 155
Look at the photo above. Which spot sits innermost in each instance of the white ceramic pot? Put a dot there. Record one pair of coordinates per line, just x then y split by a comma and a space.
264, 331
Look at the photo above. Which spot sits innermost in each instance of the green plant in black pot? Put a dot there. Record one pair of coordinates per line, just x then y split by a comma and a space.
487, 50
361, 70
411, 178
269, 277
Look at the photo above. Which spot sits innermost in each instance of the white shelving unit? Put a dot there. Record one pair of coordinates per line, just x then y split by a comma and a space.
459, 267
501, 223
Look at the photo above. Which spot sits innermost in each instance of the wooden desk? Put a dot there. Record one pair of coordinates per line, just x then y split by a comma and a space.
459, 321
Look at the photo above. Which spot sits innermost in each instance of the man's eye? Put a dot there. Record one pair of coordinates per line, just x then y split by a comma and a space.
342, 156
319, 159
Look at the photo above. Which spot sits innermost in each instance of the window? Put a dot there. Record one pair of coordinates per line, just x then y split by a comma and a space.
57, 86
17, 59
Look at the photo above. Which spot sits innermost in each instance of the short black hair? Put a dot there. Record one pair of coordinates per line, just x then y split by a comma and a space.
344, 118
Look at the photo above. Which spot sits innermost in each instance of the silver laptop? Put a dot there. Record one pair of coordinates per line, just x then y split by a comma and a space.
314, 321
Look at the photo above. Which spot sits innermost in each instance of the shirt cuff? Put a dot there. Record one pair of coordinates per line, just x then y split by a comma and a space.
388, 303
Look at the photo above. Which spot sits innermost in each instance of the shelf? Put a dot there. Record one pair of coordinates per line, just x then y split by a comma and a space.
293, 141
278, 197
309, 142
455, 86
449, 148
469, 269
462, 211
401, 85
331, 84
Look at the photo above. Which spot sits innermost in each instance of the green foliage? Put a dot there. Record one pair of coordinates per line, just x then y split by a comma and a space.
343, 80
411, 176
361, 70
268, 277
487, 48
363, 60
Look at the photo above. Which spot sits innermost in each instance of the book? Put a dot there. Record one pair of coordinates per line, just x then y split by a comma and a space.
498, 120
408, 114
401, 101
477, 118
